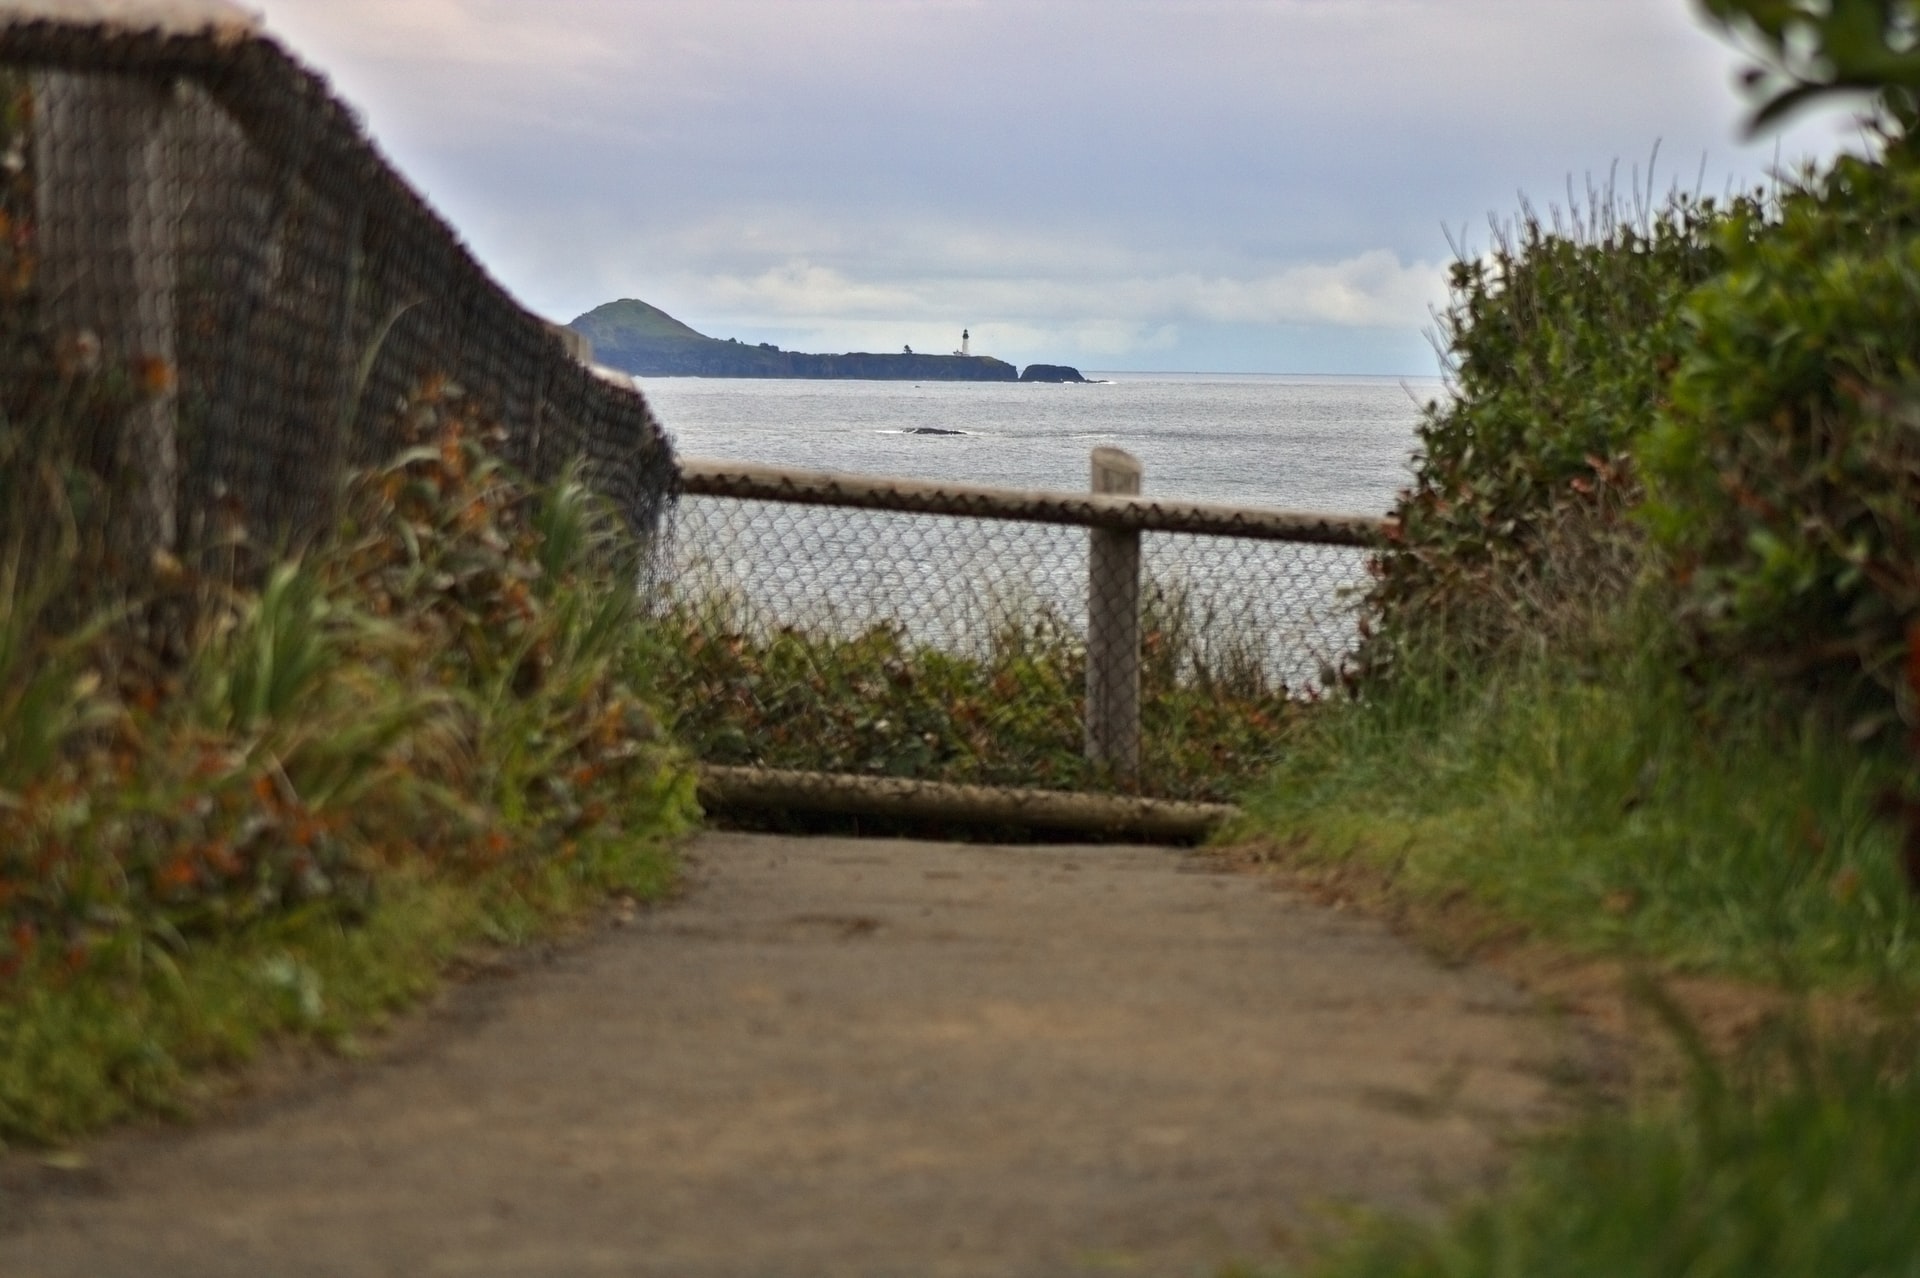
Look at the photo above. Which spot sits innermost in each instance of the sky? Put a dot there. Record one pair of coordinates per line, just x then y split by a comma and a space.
1262, 186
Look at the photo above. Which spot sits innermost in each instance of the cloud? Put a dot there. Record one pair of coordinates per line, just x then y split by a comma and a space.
1090, 175
1373, 289
1370, 289
799, 289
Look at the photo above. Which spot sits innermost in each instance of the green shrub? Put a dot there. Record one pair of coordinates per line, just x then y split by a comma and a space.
438, 705
1561, 341
879, 703
1786, 469
1810, 50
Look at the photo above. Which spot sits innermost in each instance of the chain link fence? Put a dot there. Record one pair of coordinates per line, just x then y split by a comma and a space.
890, 628
218, 296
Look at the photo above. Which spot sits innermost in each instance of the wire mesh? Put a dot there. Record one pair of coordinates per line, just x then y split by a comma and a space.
200, 242
217, 296
953, 648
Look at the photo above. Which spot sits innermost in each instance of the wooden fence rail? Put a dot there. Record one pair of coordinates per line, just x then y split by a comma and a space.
705, 477
1114, 512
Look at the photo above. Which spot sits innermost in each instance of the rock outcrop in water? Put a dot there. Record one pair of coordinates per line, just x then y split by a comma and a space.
644, 340
1051, 373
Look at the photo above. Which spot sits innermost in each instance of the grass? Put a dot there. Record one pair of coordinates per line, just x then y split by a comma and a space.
1617, 810
1613, 807
432, 730
77, 1054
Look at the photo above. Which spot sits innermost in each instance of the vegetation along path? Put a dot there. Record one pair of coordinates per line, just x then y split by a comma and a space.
851, 1058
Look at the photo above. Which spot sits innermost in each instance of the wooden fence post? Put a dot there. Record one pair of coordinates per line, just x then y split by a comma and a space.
1113, 625
108, 193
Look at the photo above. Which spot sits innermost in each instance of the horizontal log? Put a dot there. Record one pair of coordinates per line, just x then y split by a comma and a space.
1107, 814
705, 477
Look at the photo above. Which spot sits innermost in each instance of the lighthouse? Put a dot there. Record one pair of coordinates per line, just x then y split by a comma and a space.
965, 338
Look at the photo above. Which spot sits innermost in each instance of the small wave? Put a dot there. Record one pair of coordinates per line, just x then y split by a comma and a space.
921, 430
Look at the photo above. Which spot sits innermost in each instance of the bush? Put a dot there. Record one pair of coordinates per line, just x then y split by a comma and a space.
451, 684
875, 701
1786, 469
1561, 341
426, 731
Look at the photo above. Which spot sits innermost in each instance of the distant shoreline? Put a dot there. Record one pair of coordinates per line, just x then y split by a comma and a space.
635, 337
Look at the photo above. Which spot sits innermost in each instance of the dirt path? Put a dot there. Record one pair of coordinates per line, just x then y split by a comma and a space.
851, 1058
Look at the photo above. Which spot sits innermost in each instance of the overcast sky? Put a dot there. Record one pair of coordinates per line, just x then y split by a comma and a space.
1203, 185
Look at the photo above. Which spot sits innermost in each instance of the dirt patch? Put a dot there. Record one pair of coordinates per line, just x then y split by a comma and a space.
854, 1058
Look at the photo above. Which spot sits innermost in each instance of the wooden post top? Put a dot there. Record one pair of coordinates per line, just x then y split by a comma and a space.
1117, 471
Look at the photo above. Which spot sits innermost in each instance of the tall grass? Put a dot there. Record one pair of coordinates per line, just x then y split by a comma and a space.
1614, 806
1006, 710
430, 728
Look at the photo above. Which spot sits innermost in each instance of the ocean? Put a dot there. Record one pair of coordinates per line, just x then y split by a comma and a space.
1339, 445
1336, 444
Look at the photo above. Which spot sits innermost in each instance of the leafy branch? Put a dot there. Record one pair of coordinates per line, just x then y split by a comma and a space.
1807, 50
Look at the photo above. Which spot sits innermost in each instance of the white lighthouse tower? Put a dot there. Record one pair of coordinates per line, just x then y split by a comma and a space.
965, 340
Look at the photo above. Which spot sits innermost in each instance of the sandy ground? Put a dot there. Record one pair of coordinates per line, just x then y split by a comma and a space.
851, 1058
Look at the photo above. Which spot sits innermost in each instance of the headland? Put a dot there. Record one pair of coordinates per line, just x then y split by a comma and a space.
644, 340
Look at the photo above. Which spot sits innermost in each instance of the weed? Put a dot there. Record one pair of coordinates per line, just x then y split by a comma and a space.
431, 721
1010, 712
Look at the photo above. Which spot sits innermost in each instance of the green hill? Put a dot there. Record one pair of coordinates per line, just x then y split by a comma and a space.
637, 319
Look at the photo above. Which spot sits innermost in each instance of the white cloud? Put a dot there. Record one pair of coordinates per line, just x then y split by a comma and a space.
1092, 176
799, 289
1371, 290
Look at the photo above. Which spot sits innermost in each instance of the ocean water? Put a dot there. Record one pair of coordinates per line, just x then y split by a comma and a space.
1336, 444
